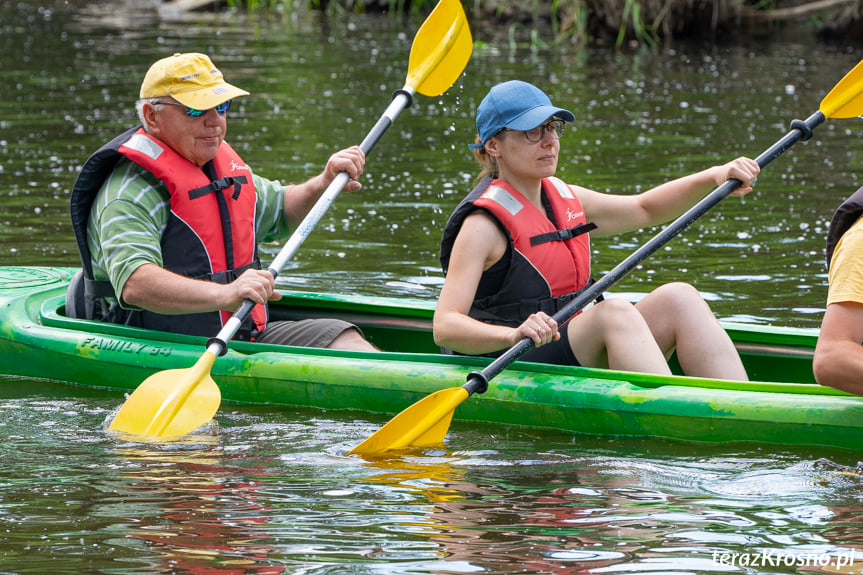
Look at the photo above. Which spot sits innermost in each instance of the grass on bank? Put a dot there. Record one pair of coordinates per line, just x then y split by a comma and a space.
624, 22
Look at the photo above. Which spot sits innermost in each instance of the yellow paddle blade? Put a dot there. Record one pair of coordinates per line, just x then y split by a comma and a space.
441, 49
426, 422
845, 100
171, 403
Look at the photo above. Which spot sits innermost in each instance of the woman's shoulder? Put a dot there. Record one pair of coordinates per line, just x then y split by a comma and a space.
481, 219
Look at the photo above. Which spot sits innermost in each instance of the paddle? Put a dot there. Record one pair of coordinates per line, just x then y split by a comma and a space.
174, 402
427, 421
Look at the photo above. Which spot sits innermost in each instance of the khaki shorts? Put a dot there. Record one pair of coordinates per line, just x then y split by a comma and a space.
305, 333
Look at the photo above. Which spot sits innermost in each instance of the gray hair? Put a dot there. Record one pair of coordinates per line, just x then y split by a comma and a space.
139, 108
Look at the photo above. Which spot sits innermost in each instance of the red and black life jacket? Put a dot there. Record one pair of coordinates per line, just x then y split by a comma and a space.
547, 261
210, 233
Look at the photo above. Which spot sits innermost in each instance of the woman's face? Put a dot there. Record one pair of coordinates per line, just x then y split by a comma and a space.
518, 158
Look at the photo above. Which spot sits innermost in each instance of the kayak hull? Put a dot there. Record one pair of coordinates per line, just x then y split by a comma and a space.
783, 406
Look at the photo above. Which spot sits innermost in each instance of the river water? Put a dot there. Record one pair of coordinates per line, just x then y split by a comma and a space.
271, 491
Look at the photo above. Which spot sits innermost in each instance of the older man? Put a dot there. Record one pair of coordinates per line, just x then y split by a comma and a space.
168, 217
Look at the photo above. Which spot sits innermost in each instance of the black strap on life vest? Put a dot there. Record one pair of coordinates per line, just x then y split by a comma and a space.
502, 314
564, 234
219, 185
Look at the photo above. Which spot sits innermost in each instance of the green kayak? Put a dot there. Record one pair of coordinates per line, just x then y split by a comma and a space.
782, 405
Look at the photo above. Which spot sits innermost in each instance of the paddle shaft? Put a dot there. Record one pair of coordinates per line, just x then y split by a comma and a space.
478, 381
401, 99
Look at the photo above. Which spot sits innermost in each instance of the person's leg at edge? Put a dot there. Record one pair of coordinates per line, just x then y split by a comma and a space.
679, 318
352, 340
613, 334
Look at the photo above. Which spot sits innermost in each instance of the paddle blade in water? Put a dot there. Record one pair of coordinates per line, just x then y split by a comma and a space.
171, 403
424, 423
845, 100
441, 49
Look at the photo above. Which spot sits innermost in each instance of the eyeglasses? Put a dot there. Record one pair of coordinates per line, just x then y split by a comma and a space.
554, 127
221, 109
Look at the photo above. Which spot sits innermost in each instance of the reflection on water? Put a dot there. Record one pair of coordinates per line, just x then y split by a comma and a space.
273, 492
187, 511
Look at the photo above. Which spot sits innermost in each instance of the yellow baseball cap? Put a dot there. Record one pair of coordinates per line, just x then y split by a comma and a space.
191, 79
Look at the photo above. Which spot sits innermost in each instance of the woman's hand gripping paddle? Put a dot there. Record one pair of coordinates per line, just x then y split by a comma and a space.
175, 402
427, 421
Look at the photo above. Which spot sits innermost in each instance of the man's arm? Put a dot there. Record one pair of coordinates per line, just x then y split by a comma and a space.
158, 290
838, 360
299, 198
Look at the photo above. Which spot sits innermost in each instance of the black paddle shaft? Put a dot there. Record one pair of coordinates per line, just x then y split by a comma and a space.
477, 382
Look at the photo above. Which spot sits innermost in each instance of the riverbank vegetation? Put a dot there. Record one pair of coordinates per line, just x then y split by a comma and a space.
626, 22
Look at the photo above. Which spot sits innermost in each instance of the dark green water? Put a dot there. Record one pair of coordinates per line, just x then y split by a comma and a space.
271, 490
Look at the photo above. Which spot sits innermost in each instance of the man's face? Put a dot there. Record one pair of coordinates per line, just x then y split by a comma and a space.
196, 139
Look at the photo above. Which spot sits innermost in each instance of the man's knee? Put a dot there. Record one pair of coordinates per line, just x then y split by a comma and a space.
352, 340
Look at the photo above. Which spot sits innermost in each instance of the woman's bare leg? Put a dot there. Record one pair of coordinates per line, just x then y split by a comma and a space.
614, 334
679, 318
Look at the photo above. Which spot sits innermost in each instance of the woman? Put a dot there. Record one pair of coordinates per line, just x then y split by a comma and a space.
517, 249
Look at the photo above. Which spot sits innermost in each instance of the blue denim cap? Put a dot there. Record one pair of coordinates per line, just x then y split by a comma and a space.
515, 105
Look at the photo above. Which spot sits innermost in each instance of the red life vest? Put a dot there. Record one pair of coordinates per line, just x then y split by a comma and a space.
547, 264
211, 231
565, 264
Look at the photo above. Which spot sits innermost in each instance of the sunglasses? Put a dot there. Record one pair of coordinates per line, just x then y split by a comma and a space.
221, 109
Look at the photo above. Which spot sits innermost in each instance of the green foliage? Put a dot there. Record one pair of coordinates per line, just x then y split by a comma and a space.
341, 6
632, 17
636, 21
257, 4
569, 21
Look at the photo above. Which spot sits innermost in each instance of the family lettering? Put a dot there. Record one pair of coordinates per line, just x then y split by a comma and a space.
106, 344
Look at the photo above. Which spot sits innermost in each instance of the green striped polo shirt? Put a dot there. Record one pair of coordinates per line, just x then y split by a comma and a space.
131, 211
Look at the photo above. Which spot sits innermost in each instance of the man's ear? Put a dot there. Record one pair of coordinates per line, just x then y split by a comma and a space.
149, 114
